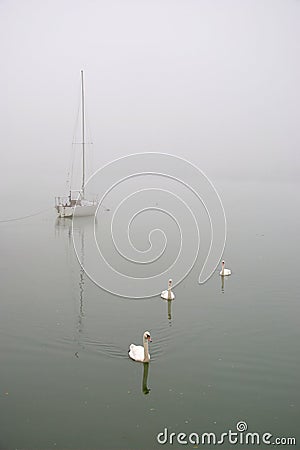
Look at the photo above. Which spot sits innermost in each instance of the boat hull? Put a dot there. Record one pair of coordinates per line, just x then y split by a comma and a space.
78, 211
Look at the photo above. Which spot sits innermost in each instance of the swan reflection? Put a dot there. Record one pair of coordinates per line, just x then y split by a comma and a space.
170, 311
222, 284
145, 388
224, 280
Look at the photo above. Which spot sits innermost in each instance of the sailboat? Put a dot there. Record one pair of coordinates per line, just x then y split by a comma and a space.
76, 203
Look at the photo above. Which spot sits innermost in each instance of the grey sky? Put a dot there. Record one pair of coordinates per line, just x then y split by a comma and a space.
216, 82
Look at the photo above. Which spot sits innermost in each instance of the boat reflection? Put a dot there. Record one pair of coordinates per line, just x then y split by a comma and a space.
63, 227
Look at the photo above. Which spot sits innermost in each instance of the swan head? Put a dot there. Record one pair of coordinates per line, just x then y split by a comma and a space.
223, 263
170, 282
147, 336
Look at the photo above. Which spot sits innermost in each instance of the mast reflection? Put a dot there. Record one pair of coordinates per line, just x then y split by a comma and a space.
81, 296
63, 226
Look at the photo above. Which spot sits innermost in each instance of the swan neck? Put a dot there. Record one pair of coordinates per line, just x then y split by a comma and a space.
223, 267
146, 353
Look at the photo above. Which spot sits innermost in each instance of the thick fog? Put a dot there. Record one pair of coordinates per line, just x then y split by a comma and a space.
216, 82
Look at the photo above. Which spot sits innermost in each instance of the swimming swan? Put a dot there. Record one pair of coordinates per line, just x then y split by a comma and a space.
225, 272
168, 295
139, 353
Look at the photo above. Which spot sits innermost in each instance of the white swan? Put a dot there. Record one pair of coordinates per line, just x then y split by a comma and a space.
225, 272
168, 294
139, 353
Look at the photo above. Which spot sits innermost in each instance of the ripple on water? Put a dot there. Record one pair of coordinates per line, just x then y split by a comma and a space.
111, 347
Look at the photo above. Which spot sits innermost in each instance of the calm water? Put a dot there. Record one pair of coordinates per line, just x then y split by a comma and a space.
218, 355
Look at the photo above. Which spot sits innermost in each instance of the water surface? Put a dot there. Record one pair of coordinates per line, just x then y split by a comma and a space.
219, 354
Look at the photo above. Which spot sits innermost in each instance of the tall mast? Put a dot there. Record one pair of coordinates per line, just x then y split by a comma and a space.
83, 134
